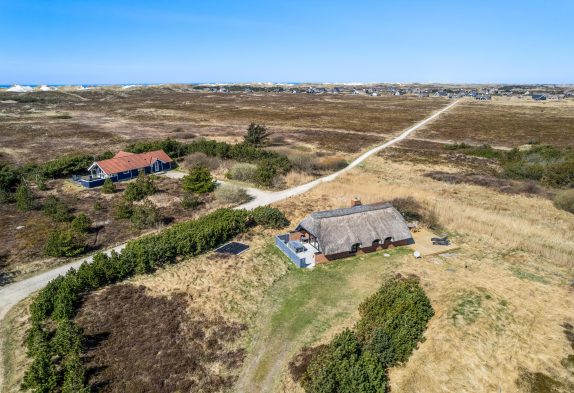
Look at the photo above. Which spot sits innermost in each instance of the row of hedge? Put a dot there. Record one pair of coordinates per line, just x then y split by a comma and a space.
392, 323
240, 152
55, 343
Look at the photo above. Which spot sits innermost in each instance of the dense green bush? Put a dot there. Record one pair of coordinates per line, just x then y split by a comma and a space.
560, 174
172, 147
344, 366
142, 187
63, 166
56, 209
24, 197
64, 243
198, 181
269, 217
266, 173
400, 311
565, 200
391, 324
145, 215
81, 223
257, 135
9, 179
108, 187
123, 209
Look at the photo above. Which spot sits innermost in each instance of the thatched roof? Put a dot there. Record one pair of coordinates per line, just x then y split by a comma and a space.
337, 230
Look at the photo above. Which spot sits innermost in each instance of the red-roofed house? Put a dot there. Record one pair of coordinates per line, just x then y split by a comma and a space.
125, 165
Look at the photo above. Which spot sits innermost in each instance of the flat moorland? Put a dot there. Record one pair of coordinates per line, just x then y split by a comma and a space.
23, 242
506, 122
492, 329
39, 126
489, 296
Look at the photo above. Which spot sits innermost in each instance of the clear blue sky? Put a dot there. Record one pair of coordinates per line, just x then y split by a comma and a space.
65, 42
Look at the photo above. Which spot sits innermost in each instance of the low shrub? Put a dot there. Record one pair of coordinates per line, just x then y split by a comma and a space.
266, 173
64, 243
142, 187
269, 217
565, 200
232, 194
145, 215
203, 160
330, 164
257, 135
56, 209
123, 209
302, 162
9, 178
243, 172
81, 223
552, 166
190, 200
560, 174
172, 147
242, 152
412, 210
64, 166
108, 187
25, 199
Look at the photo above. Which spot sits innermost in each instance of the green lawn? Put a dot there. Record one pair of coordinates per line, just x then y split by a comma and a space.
304, 305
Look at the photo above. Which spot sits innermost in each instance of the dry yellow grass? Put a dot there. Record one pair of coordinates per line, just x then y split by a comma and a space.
14, 359
294, 178
516, 257
228, 286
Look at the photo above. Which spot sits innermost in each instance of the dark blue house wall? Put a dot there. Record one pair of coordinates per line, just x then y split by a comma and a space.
135, 172
132, 174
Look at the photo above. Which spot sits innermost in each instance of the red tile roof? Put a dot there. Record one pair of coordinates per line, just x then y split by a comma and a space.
124, 161
122, 153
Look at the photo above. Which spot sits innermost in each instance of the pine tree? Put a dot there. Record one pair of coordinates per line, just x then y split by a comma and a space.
257, 135
24, 197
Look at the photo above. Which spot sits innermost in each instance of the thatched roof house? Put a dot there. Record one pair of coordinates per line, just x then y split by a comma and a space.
360, 227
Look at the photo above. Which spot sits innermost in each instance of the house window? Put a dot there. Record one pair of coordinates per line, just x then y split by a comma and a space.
355, 247
376, 242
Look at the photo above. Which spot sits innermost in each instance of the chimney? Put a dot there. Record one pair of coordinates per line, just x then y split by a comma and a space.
355, 202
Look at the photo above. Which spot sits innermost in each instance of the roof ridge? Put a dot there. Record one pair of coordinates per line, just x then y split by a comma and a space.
345, 211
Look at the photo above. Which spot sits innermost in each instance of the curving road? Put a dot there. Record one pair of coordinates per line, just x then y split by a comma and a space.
12, 294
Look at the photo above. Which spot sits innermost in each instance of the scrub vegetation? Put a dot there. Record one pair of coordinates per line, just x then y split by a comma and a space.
56, 344
391, 324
